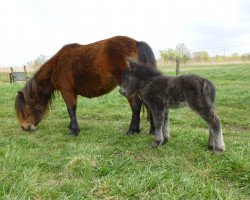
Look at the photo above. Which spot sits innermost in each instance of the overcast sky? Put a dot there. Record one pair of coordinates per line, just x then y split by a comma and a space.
29, 28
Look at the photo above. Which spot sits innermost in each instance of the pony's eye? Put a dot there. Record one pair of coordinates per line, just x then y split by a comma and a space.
29, 114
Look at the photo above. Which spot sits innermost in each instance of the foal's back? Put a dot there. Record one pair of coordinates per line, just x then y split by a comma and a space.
178, 91
185, 83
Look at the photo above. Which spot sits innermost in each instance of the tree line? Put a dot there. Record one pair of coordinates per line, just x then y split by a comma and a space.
182, 54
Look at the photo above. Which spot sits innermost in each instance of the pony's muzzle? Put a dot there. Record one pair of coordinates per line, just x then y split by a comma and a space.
28, 127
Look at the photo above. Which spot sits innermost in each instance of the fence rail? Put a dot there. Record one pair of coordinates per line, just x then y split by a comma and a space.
5, 73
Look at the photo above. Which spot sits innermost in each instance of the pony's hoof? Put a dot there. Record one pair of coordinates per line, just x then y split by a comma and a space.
132, 131
74, 131
155, 144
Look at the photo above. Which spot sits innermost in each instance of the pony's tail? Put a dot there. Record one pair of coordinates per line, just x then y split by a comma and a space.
145, 54
209, 92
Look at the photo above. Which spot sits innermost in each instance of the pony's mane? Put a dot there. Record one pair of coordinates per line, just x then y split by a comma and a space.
33, 95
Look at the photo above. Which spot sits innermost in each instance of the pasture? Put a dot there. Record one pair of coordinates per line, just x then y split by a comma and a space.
103, 163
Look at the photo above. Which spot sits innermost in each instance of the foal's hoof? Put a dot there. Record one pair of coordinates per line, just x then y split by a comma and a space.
165, 140
152, 131
155, 144
216, 150
219, 150
132, 131
210, 147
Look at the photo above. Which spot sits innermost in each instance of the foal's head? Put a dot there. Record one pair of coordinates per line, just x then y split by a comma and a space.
136, 76
128, 86
30, 106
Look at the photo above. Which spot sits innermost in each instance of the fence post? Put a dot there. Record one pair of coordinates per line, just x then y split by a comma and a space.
25, 71
11, 75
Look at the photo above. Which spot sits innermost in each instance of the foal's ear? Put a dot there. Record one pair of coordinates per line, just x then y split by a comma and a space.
128, 63
131, 64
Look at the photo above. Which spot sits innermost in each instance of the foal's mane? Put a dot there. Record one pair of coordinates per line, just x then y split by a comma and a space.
144, 71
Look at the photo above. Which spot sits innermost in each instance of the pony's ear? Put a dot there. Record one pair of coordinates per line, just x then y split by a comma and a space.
20, 93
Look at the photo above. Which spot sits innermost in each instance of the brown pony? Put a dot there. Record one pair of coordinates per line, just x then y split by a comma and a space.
88, 70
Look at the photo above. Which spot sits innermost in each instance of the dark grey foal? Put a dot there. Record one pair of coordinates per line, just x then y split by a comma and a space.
160, 93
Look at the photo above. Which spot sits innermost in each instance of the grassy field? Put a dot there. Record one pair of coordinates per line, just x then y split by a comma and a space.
103, 163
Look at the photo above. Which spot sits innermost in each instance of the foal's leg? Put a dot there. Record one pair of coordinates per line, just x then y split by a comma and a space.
150, 118
152, 126
71, 102
165, 131
211, 144
215, 141
158, 119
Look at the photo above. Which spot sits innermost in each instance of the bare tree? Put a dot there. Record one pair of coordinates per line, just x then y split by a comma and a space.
180, 54
37, 62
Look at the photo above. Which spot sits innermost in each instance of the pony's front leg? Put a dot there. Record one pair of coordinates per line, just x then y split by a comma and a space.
71, 102
73, 126
135, 104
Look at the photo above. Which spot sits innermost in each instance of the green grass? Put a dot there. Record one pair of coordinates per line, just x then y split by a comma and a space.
103, 163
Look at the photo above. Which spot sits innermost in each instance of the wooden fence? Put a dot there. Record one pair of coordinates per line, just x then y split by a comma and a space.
15, 74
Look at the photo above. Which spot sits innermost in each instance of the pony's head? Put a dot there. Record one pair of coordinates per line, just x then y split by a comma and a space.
30, 106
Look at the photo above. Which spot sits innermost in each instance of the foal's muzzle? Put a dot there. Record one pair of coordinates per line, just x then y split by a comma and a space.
122, 92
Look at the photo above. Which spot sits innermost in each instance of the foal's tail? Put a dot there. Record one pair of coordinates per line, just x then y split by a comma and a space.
209, 92
145, 54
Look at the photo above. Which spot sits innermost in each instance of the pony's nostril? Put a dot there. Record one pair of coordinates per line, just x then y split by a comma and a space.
27, 128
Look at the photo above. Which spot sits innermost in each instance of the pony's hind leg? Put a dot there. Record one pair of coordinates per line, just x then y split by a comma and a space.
165, 131
71, 102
